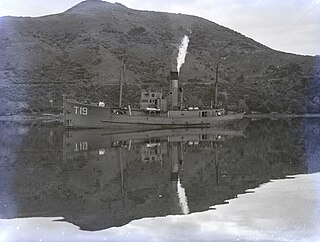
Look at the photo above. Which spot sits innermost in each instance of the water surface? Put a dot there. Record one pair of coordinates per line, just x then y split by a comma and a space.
168, 185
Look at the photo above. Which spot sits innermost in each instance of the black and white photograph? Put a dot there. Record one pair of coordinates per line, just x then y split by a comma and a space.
159, 120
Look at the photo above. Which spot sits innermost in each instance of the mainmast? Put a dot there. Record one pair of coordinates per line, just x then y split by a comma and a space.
216, 89
121, 79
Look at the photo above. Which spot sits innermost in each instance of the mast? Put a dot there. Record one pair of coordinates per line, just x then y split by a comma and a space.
121, 172
216, 89
121, 78
216, 163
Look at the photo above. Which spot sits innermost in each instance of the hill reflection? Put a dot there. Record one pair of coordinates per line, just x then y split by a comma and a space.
97, 180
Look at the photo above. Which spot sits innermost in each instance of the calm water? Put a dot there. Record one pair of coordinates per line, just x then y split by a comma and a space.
168, 185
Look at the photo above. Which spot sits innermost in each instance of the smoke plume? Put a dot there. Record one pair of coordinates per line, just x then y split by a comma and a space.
182, 52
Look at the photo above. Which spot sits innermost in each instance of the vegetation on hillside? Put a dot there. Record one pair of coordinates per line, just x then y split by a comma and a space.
79, 53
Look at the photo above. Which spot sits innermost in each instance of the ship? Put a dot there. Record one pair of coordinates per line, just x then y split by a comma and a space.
155, 111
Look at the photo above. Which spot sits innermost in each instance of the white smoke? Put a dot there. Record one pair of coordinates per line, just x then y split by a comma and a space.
183, 201
182, 52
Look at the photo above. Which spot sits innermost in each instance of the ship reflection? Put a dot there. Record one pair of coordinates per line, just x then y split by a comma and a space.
140, 174
98, 180
162, 146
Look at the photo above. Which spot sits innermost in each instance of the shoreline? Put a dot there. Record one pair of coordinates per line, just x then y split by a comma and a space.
46, 117
281, 115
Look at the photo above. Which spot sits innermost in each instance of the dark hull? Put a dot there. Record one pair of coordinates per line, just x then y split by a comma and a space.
78, 115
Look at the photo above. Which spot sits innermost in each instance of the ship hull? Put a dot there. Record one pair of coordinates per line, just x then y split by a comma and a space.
78, 115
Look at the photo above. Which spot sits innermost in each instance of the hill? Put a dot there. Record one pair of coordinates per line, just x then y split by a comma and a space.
78, 52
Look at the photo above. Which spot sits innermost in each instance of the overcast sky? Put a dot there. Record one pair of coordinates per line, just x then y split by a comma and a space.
286, 25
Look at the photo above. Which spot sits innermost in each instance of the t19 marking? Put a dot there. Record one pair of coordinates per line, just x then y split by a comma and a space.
81, 146
80, 110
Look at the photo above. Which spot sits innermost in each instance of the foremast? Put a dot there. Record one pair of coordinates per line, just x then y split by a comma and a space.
121, 81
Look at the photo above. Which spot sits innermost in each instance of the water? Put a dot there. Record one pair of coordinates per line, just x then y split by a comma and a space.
259, 182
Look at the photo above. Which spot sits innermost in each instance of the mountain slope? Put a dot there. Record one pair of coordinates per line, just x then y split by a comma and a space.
79, 52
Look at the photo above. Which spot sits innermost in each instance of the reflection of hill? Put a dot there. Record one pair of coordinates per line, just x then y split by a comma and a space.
112, 192
113, 184
311, 131
271, 150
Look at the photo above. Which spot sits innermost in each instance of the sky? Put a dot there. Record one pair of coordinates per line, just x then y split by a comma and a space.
286, 25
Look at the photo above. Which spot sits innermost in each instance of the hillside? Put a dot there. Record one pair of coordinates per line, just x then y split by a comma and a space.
79, 52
